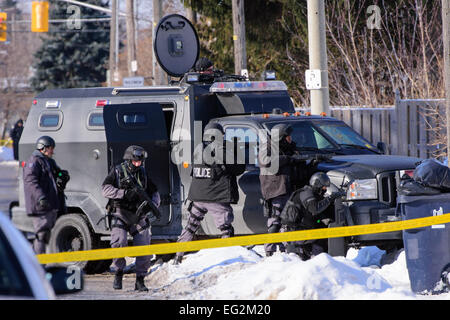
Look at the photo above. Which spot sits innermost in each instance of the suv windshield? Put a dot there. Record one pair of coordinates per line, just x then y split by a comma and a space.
326, 136
345, 136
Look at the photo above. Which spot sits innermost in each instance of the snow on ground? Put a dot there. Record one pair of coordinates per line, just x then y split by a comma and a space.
235, 273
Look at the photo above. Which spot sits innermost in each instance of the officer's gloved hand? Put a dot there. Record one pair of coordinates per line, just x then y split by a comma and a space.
131, 195
43, 204
62, 179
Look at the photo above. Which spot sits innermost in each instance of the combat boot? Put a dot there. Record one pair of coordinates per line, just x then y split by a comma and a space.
140, 284
118, 280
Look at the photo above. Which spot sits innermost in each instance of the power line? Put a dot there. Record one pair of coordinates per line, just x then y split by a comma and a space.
60, 31
63, 20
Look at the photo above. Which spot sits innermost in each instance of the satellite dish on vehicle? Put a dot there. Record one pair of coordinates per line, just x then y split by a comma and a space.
176, 45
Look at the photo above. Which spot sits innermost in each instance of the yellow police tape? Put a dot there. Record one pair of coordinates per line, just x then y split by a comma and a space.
6, 143
164, 248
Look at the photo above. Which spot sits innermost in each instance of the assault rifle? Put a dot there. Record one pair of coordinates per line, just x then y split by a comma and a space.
316, 157
146, 206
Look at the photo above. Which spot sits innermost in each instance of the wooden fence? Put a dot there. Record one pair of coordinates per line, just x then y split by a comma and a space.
410, 128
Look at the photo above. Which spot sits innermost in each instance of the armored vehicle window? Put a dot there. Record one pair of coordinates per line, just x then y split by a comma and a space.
95, 121
134, 119
49, 121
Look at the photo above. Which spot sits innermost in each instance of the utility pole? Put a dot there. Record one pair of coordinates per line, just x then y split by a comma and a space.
131, 44
112, 43
240, 51
191, 15
158, 74
317, 75
446, 39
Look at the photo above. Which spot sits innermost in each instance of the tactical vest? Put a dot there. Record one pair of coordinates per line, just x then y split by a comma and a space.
122, 173
294, 214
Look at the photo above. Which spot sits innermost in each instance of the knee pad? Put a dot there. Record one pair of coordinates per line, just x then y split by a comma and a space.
193, 223
43, 236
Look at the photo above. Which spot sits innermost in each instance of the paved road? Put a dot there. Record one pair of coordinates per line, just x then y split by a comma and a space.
99, 287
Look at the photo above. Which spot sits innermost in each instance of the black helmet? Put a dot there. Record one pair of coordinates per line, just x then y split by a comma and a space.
44, 142
203, 64
210, 129
284, 130
136, 153
318, 181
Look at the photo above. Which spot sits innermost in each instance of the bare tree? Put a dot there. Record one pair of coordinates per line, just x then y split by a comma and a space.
15, 70
404, 51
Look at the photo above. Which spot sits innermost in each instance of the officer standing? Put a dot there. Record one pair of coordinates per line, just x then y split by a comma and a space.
15, 135
306, 209
277, 186
44, 184
120, 187
214, 187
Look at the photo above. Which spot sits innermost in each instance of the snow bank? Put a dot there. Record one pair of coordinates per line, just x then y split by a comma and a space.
236, 273
6, 154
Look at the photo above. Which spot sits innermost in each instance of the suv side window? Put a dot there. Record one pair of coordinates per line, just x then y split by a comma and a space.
246, 139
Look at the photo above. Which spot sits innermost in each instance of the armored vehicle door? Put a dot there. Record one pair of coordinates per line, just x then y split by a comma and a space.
141, 124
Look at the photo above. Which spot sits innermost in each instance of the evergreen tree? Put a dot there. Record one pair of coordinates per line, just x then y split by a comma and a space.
70, 56
269, 25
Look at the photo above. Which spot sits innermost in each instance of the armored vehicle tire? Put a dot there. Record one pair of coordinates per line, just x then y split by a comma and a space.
72, 232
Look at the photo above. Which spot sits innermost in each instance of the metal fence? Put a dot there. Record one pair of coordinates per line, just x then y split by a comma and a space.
410, 128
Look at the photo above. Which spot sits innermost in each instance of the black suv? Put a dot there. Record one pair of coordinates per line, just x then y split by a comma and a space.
374, 176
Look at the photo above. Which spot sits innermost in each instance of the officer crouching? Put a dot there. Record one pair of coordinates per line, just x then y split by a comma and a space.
124, 186
214, 187
307, 209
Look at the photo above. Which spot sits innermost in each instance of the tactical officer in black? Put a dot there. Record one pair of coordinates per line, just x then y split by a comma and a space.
214, 187
307, 209
15, 135
276, 186
120, 187
44, 184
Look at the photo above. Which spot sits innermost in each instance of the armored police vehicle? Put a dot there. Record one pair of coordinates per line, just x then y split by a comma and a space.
93, 126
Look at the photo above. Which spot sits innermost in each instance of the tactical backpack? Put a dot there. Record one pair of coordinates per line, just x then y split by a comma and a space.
293, 212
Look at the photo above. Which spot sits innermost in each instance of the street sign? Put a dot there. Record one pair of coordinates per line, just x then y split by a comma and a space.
133, 82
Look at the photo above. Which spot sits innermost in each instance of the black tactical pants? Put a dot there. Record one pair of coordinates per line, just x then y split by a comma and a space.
274, 223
